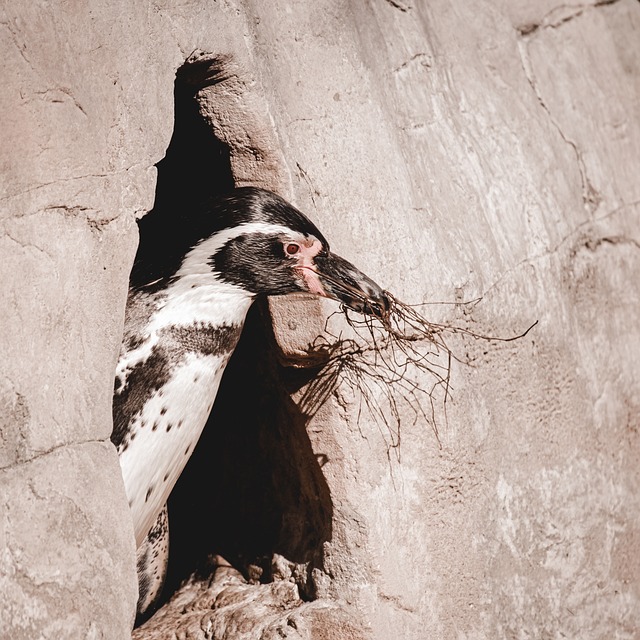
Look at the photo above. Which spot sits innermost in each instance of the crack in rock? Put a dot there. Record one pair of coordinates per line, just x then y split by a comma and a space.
560, 15
21, 47
33, 456
25, 245
590, 243
590, 196
53, 96
95, 222
594, 243
398, 5
71, 179
424, 59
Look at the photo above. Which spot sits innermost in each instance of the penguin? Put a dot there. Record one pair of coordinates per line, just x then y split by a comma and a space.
185, 311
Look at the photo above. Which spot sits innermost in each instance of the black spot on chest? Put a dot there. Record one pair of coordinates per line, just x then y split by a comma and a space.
142, 382
149, 377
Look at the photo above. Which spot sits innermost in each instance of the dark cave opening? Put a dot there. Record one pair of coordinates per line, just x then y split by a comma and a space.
253, 486
196, 167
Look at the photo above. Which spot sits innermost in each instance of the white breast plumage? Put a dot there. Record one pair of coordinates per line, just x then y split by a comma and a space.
166, 381
164, 434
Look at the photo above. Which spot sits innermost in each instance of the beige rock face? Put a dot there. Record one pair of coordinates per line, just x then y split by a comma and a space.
65, 567
449, 152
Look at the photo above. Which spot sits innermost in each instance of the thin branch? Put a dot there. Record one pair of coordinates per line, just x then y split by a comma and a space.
386, 363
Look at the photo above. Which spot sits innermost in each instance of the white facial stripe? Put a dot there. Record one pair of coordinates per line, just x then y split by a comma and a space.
196, 260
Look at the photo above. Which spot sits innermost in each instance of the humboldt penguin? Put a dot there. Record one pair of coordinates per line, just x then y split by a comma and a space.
182, 323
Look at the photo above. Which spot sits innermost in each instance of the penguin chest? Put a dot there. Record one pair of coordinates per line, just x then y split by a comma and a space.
164, 433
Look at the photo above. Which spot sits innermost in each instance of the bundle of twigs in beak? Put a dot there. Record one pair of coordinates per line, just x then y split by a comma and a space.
394, 356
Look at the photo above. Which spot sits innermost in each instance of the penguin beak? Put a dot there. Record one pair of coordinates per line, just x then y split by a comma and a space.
343, 282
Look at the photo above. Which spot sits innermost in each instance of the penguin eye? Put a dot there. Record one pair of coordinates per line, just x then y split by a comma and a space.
291, 248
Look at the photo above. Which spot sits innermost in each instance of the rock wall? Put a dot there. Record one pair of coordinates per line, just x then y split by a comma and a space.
451, 153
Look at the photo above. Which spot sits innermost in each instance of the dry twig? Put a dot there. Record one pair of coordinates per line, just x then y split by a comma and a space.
392, 352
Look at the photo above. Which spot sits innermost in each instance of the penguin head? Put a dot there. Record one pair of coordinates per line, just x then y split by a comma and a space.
270, 248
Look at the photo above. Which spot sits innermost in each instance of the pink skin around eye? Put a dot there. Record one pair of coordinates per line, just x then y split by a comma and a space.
308, 250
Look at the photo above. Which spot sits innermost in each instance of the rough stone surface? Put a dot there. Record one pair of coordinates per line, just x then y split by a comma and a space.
65, 569
227, 608
451, 153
